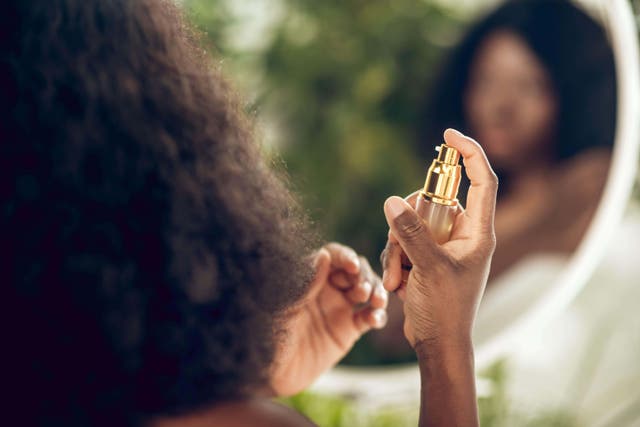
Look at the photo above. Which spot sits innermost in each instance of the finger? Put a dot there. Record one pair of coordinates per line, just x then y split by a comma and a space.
367, 273
360, 293
379, 297
412, 198
343, 257
322, 265
369, 318
481, 199
402, 292
391, 263
457, 231
413, 235
340, 280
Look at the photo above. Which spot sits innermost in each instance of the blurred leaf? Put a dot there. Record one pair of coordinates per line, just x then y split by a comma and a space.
342, 82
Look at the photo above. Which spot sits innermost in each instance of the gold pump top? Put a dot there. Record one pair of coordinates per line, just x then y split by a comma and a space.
443, 177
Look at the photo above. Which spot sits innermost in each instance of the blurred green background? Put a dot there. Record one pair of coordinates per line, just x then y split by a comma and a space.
337, 88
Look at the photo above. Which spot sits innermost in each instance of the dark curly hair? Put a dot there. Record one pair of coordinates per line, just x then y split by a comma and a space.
148, 251
575, 51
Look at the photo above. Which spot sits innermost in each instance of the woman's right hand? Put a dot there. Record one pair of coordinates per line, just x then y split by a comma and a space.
447, 281
444, 289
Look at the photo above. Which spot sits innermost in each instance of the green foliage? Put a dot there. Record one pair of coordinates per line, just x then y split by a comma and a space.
323, 410
496, 410
343, 82
327, 411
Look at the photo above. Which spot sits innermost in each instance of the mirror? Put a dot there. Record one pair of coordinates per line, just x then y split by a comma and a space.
534, 82
526, 309
568, 174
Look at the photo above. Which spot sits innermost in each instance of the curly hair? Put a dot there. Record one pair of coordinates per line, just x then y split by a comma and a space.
148, 250
574, 49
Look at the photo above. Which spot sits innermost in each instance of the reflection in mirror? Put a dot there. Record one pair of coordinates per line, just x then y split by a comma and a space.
534, 83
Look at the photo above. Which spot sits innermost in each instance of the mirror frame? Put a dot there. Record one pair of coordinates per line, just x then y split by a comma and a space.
400, 384
618, 20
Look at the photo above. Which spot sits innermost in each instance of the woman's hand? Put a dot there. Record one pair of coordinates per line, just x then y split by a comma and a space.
447, 281
444, 288
345, 300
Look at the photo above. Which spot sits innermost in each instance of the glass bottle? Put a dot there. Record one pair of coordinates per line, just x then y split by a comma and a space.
437, 202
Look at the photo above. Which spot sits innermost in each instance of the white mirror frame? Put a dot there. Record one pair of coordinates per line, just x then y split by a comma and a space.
400, 385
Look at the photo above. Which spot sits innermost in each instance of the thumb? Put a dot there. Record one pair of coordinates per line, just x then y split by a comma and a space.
322, 265
412, 233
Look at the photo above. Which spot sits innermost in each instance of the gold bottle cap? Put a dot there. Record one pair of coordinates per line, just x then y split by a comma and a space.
443, 177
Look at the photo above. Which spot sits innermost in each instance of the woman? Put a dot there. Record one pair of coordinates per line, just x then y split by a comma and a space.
534, 81
156, 271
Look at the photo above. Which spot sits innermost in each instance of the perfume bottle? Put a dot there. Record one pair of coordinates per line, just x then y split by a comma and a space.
437, 203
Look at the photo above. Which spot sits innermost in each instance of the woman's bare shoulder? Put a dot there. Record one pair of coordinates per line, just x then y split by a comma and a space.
593, 159
241, 413
273, 414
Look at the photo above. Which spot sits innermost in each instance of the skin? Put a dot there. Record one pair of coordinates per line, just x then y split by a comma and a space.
444, 289
511, 106
242, 413
326, 324
550, 212
345, 300
510, 103
440, 304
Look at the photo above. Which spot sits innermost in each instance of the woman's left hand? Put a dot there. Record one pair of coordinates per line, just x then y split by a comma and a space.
346, 299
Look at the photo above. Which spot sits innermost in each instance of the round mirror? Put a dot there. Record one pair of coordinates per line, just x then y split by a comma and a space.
507, 86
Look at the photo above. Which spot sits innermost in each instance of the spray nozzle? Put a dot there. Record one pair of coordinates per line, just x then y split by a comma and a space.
443, 176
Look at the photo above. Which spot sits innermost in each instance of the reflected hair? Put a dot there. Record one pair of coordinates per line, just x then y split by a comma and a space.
573, 48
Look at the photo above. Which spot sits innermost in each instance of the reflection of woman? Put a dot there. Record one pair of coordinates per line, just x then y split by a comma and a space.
534, 82
155, 271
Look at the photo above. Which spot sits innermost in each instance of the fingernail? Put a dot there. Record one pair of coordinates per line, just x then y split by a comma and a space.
380, 317
355, 260
380, 292
394, 206
455, 131
366, 286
